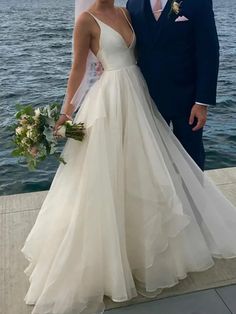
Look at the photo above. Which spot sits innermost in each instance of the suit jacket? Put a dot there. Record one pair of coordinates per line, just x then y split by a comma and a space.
179, 60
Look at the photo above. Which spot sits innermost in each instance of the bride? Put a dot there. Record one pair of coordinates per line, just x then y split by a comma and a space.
130, 212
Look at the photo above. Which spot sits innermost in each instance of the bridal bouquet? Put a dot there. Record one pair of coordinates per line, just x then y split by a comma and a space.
34, 136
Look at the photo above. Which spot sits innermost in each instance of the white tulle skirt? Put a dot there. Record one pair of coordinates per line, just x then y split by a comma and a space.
129, 213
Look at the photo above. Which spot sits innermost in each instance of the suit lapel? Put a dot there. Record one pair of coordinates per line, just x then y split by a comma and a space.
163, 20
156, 27
150, 19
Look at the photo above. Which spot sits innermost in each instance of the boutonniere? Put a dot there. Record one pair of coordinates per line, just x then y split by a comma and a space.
175, 7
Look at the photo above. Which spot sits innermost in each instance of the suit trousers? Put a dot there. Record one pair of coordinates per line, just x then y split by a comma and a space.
192, 141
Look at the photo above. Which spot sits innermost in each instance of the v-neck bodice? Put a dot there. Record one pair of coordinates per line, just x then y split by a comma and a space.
114, 52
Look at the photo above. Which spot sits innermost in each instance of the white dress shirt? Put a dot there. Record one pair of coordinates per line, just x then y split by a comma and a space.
164, 2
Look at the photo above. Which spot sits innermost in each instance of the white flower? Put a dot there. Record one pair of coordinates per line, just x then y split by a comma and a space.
29, 134
19, 130
23, 121
30, 128
37, 112
176, 7
69, 122
25, 142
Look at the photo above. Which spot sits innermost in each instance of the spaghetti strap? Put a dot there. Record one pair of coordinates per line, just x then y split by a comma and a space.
126, 17
95, 18
101, 24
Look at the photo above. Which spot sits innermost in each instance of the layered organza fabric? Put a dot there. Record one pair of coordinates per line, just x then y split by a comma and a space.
130, 212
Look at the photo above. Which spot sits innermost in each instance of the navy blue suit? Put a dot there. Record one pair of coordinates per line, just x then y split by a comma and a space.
180, 62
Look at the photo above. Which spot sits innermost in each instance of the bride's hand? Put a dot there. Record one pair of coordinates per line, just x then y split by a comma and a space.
59, 123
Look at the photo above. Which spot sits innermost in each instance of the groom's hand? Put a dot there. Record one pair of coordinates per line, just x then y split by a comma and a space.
200, 113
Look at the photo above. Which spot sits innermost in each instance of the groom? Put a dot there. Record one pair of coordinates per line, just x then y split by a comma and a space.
178, 53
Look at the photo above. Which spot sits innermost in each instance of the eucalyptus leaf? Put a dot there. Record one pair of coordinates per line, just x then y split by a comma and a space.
48, 134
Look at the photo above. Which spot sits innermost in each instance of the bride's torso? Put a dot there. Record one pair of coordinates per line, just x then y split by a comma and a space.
111, 47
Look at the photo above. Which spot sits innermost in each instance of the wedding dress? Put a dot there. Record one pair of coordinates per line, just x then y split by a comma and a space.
130, 212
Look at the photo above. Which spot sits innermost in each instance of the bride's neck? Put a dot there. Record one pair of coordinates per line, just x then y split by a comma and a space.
104, 5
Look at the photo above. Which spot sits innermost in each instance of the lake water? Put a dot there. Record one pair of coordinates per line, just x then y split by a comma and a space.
35, 59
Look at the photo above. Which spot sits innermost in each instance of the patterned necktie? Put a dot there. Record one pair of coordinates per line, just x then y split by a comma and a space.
157, 9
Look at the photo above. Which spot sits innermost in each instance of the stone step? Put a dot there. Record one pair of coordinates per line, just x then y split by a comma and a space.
17, 216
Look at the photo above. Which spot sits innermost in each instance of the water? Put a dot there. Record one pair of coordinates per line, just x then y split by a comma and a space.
35, 59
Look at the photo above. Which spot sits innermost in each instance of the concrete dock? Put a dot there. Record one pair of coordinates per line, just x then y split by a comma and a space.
209, 292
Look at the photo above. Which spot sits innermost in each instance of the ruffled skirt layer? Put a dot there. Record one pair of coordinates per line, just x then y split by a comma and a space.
129, 213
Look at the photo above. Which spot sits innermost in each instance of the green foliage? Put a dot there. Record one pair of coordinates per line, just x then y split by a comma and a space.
33, 137
33, 133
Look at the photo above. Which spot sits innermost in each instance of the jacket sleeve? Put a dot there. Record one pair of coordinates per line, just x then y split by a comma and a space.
207, 53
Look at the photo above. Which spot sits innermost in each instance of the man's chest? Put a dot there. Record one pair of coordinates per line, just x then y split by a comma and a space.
173, 25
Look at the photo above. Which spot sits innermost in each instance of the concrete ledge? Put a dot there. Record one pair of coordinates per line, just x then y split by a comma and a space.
17, 216
10, 204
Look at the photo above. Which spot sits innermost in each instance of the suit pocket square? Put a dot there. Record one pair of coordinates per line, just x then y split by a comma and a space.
181, 19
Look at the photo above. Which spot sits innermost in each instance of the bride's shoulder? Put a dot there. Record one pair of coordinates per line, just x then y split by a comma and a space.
84, 20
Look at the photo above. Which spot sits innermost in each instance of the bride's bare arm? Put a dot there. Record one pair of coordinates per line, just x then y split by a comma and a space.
82, 40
